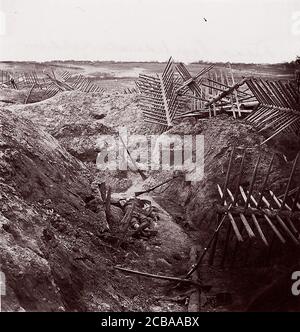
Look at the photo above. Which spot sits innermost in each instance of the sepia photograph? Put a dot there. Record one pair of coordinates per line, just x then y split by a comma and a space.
149, 158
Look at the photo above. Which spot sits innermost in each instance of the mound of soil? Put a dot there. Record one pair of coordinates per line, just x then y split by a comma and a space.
52, 248
77, 119
49, 248
194, 204
71, 118
220, 134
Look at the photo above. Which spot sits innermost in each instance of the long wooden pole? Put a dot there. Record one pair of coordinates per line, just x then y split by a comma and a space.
226, 92
29, 93
155, 187
155, 276
200, 259
142, 174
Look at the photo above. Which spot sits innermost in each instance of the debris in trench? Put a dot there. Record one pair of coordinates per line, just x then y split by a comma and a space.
155, 276
138, 193
139, 217
140, 220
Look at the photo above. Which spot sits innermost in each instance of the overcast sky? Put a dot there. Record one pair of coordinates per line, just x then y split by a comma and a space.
145, 30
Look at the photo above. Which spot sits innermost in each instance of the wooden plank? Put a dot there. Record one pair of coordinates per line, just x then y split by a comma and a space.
273, 227
242, 216
255, 221
232, 221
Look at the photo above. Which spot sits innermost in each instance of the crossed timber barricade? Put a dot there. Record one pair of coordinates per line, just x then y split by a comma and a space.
278, 109
159, 101
255, 214
176, 94
167, 97
45, 85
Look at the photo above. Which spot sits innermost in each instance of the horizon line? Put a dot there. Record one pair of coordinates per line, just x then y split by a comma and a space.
150, 61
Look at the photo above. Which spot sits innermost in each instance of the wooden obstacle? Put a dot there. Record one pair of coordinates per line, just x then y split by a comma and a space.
45, 85
128, 91
207, 87
80, 82
159, 102
255, 216
177, 94
9, 80
278, 109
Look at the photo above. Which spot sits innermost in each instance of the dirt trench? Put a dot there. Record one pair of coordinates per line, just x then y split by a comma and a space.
167, 254
186, 210
53, 250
